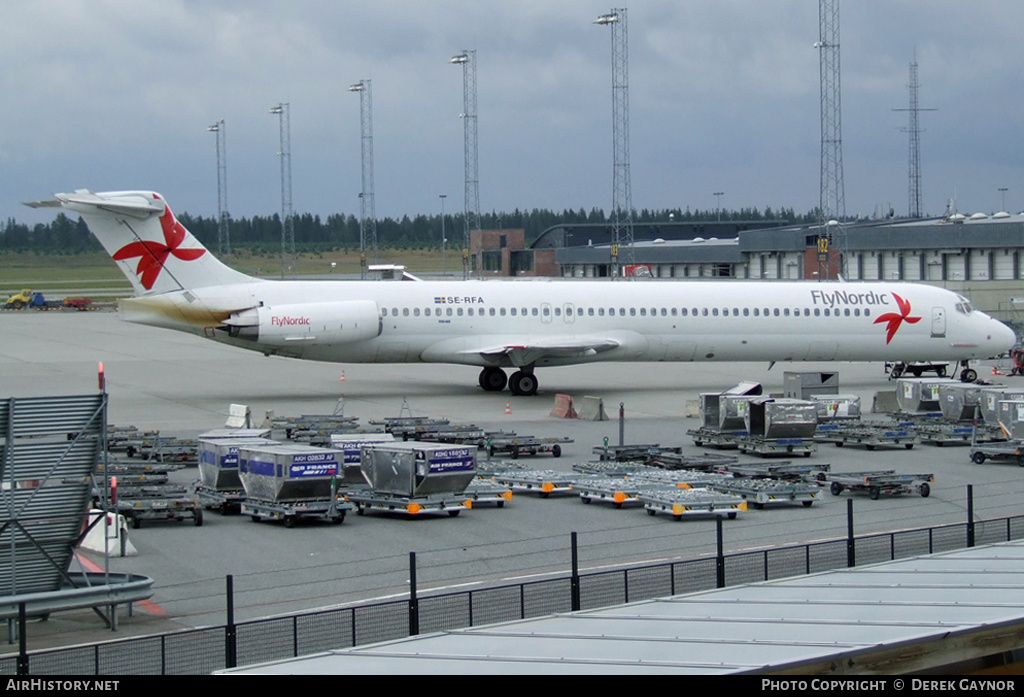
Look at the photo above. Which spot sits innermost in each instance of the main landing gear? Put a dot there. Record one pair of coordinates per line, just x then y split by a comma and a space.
521, 383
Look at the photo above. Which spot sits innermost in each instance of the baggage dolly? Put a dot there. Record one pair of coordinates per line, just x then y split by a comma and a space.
776, 446
164, 507
1004, 449
525, 445
546, 482
368, 500
290, 512
880, 482
680, 503
224, 502
486, 490
870, 436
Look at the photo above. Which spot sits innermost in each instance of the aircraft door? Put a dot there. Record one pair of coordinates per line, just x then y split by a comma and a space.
545, 313
569, 313
938, 322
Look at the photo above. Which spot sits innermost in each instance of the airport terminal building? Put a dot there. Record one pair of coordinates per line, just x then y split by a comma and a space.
980, 256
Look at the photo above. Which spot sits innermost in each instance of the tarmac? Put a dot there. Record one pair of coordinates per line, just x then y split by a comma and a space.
183, 385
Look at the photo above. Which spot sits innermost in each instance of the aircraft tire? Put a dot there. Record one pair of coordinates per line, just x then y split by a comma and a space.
523, 384
493, 379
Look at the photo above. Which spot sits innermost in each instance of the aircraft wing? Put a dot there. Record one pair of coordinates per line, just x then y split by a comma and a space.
537, 348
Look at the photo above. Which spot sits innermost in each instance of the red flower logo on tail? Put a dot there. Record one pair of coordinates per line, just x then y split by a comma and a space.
895, 320
152, 255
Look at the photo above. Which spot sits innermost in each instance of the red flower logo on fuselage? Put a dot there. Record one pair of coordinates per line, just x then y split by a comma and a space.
895, 320
152, 255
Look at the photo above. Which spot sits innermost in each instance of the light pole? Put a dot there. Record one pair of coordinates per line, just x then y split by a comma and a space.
444, 265
1003, 191
718, 203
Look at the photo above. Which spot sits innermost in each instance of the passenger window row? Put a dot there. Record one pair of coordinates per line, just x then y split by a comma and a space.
631, 312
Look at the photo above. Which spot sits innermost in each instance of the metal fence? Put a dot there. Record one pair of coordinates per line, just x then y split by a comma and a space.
203, 651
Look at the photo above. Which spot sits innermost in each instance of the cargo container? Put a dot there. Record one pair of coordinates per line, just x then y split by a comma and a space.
289, 472
417, 469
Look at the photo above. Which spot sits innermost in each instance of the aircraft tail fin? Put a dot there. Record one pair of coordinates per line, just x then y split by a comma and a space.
153, 250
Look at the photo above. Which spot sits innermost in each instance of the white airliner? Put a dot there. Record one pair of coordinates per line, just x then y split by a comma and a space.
522, 325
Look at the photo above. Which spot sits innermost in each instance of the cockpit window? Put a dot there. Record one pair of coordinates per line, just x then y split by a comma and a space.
964, 305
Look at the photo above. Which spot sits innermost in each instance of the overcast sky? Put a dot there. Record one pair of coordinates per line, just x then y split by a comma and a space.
724, 96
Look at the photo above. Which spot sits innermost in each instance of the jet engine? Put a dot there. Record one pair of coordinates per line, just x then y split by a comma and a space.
293, 325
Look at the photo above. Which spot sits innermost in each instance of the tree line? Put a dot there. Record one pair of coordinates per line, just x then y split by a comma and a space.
262, 234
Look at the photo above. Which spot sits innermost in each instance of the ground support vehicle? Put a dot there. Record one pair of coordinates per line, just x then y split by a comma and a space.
876, 483
896, 370
486, 490
544, 482
225, 502
525, 445
871, 436
723, 440
369, 500
769, 492
162, 504
776, 446
291, 512
680, 503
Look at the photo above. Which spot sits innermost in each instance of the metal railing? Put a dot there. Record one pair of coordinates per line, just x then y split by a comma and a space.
202, 651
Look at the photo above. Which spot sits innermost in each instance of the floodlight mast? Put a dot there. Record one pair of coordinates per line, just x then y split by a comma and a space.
622, 191
287, 222
367, 205
471, 206
223, 230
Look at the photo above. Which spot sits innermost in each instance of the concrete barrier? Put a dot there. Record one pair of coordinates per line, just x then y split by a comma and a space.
239, 416
118, 544
592, 409
563, 408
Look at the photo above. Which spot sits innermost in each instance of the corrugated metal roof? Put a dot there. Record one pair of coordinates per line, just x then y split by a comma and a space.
909, 615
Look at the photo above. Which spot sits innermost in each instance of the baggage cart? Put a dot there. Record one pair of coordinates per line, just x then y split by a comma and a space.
292, 511
684, 503
876, 483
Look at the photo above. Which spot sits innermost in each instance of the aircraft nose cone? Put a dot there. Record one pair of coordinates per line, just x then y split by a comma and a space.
1003, 337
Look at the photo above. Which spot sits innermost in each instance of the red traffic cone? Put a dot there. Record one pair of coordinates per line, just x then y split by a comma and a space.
508, 407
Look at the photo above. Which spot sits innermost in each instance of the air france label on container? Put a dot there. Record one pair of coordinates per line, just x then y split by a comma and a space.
314, 465
451, 460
